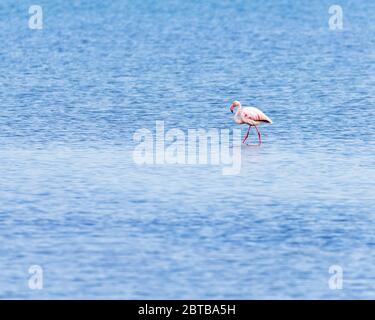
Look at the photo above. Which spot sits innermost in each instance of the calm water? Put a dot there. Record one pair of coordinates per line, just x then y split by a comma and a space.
73, 201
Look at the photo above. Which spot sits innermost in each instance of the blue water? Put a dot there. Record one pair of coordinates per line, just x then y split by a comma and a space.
73, 201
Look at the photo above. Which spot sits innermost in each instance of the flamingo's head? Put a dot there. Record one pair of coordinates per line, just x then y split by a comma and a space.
234, 105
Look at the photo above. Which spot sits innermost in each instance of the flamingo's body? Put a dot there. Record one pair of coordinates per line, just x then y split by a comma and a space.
249, 115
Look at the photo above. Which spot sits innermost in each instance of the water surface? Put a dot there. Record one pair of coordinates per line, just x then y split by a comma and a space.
74, 202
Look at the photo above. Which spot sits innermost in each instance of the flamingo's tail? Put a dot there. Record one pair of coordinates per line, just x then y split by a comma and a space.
266, 119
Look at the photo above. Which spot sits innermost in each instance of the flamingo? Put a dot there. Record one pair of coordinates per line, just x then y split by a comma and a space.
249, 115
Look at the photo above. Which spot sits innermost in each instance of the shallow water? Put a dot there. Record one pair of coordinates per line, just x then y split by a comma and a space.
74, 202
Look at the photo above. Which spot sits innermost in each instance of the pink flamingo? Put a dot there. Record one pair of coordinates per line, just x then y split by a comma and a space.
249, 115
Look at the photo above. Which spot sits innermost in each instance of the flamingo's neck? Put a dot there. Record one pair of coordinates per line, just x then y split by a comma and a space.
238, 112
237, 116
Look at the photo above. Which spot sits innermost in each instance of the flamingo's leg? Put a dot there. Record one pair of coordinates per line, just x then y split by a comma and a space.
247, 134
260, 139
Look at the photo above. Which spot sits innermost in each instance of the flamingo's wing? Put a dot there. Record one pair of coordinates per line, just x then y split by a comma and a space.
252, 113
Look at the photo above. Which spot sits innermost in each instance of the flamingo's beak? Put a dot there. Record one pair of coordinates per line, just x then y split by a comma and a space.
231, 108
